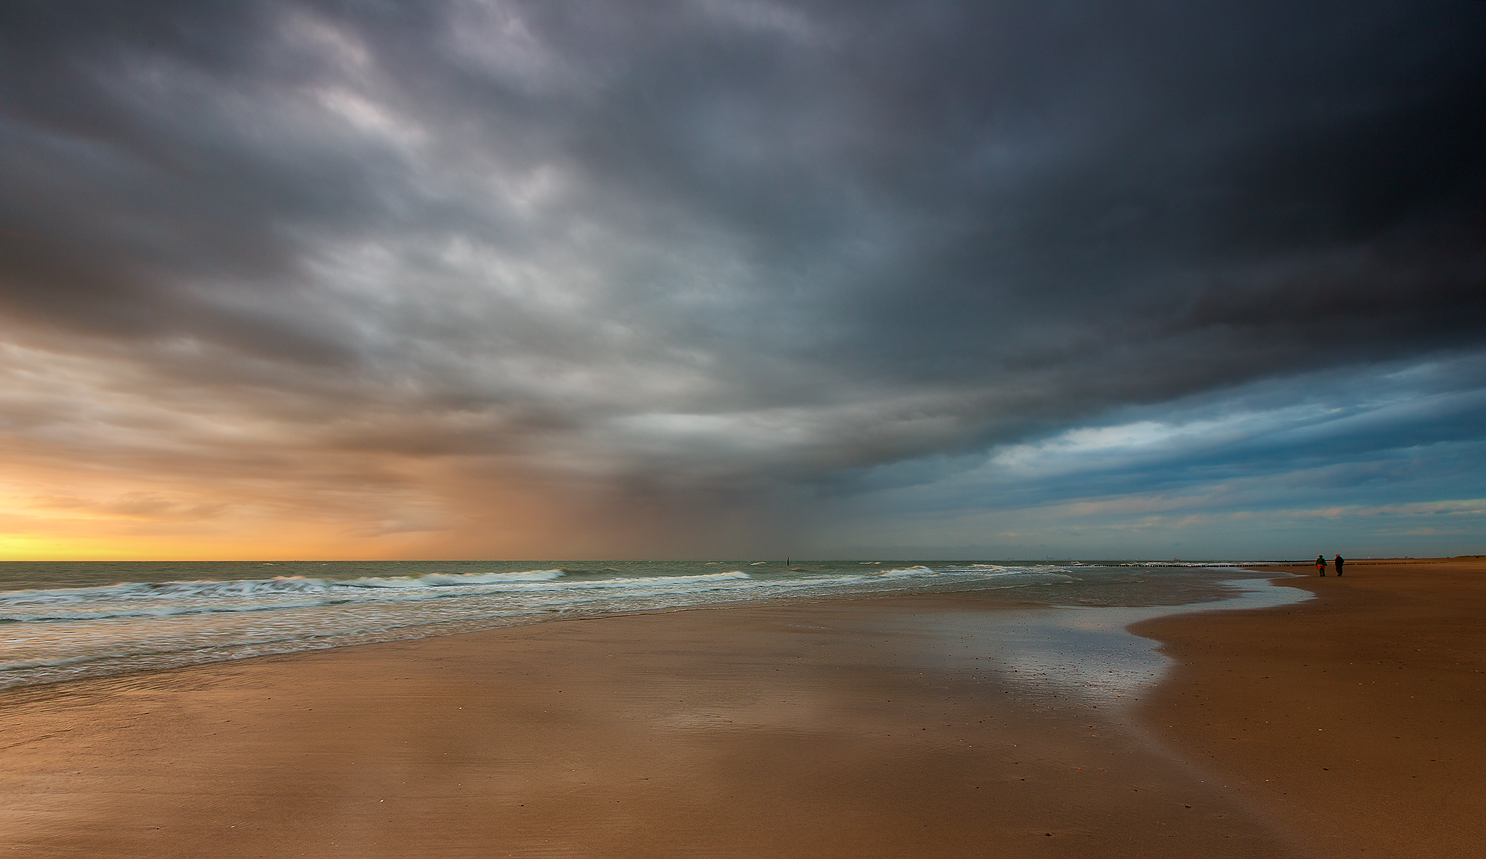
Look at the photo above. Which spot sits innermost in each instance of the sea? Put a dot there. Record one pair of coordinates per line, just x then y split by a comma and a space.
62, 621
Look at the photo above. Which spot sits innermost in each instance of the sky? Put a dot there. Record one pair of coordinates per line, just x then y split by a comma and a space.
742, 278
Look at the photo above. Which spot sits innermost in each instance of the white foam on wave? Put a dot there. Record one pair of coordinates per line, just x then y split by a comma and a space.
106, 612
648, 587
907, 571
700, 578
449, 580
170, 599
254, 587
161, 590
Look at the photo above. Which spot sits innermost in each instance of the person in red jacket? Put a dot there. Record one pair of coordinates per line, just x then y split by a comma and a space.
1320, 565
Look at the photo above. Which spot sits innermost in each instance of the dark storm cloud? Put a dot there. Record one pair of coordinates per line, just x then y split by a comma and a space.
732, 243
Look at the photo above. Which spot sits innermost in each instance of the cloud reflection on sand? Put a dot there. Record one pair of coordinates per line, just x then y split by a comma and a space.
1082, 652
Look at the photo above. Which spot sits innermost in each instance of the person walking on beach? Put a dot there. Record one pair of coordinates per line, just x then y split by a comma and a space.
1320, 565
1339, 561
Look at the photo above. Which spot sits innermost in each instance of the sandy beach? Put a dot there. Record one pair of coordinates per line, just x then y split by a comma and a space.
1355, 718
839, 728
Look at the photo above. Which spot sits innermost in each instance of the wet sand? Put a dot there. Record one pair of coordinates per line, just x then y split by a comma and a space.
1358, 719
1349, 725
834, 729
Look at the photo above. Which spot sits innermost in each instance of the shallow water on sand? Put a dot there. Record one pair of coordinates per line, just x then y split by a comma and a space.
1084, 652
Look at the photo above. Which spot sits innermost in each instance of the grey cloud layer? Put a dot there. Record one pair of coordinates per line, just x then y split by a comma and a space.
724, 240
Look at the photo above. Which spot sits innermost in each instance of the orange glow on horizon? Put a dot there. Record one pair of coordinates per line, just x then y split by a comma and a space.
81, 517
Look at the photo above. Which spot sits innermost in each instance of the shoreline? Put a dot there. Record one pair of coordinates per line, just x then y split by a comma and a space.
876, 727
125, 655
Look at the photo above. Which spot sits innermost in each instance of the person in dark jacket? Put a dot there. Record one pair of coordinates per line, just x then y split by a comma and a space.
1320, 565
1339, 561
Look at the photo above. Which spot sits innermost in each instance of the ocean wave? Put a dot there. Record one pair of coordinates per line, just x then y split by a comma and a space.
109, 612
163, 590
907, 571
449, 580
259, 587
173, 599
734, 575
